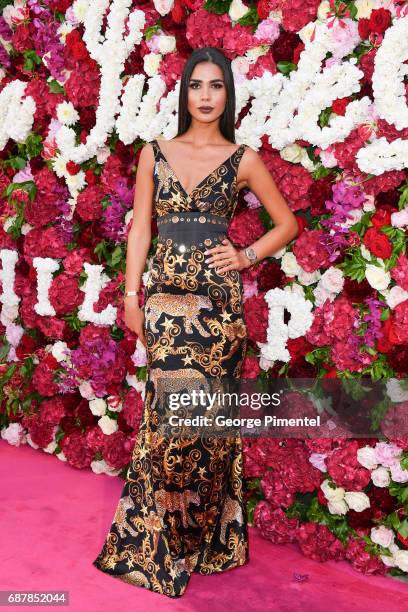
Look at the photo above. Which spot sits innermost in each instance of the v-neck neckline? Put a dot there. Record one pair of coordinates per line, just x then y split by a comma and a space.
188, 195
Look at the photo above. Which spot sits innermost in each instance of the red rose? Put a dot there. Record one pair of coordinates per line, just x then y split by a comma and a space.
382, 216
380, 20
378, 243
73, 168
364, 28
339, 106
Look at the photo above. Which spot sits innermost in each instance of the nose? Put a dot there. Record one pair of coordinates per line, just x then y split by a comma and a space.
205, 95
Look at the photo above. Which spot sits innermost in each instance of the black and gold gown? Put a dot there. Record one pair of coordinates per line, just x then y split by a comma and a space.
182, 508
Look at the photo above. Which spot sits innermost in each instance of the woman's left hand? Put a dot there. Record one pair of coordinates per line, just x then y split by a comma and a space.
226, 257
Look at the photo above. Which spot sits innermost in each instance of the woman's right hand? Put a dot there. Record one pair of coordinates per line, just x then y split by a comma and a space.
134, 317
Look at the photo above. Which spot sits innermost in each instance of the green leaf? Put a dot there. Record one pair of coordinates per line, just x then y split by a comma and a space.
55, 87
220, 7
286, 67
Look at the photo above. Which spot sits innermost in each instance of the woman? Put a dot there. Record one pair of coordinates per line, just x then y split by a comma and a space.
182, 508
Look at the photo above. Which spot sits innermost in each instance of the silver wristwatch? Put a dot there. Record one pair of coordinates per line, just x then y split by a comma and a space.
250, 253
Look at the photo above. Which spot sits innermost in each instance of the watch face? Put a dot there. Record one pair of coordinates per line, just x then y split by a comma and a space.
251, 253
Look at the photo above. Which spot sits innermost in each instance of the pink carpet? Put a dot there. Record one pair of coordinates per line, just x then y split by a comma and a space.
54, 521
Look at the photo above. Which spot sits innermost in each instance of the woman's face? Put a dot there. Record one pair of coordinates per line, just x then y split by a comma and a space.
206, 89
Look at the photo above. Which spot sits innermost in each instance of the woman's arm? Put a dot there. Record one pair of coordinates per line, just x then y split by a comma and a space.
259, 180
139, 238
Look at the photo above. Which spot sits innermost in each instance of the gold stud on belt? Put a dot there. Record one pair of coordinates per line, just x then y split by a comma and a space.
201, 219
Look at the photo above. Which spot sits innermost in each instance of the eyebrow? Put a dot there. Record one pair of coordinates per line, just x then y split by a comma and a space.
212, 80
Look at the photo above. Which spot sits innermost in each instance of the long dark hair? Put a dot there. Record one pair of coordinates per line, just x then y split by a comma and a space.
227, 120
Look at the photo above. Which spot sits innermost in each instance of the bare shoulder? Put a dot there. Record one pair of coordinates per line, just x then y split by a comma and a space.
250, 155
147, 155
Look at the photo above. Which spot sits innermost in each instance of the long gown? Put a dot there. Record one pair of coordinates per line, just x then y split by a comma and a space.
182, 508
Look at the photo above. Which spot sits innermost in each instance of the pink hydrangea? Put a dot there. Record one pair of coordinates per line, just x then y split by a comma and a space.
345, 469
310, 252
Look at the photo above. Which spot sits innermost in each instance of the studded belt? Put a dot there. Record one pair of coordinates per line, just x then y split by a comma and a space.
191, 230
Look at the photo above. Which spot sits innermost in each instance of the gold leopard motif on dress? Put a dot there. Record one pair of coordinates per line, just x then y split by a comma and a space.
175, 381
175, 501
231, 511
125, 504
187, 306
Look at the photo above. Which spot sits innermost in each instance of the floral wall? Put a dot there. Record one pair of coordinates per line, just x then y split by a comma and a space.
322, 91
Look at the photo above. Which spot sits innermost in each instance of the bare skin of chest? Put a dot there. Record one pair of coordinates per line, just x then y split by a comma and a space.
184, 158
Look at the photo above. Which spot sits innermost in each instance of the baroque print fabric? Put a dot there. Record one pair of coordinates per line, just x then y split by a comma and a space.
182, 507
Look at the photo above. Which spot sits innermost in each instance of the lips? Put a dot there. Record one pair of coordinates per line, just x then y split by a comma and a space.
205, 108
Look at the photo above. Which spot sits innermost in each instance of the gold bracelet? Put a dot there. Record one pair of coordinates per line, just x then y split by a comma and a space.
129, 293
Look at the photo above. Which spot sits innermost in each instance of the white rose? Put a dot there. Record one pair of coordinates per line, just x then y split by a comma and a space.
292, 153
308, 278
365, 252
167, 44
353, 216
98, 406
108, 426
366, 457
265, 364
290, 265
377, 277
237, 10
13, 434
395, 392
163, 6
382, 535
151, 63
86, 390
401, 560
389, 561
400, 218
395, 296
58, 349
333, 495
337, 507
381, 477
332, 280
240, 65
369, 204
357, 501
